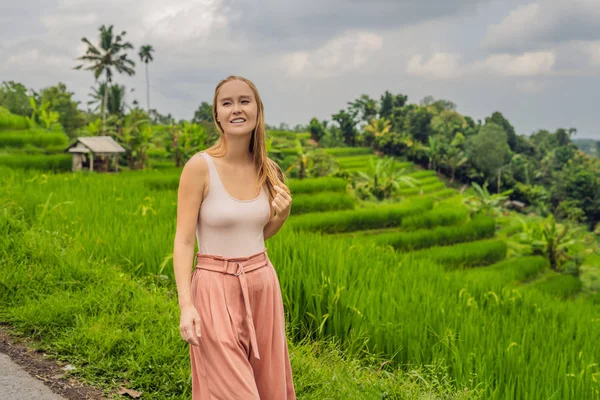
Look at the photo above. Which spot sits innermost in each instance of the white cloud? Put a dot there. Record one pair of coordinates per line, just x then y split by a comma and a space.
516, 27
439, 66
345, 53
447, 66
593, 50
526, 64
186, 20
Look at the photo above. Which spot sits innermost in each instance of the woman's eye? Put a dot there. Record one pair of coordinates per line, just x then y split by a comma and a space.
245, 101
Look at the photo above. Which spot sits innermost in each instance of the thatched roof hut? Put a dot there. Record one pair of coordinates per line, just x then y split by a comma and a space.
98, 150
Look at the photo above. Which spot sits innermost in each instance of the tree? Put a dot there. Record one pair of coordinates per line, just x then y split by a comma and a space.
146, 56
388, 102
108, 56
437, 106
365, 107
316, 129
204, 113
377, 128
116, 100
433, 152
14, 97
454, 158
448, 123
347, 124
60, 100
134, 135
498, 119
488, 150
417, 122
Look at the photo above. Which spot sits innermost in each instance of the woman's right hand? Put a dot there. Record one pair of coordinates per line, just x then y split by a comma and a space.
189, 325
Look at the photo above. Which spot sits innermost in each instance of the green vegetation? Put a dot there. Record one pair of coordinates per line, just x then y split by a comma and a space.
427, 255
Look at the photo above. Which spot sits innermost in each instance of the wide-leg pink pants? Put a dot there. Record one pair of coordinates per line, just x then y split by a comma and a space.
243, 352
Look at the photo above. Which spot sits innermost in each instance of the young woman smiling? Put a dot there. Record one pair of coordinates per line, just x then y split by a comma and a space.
231, 199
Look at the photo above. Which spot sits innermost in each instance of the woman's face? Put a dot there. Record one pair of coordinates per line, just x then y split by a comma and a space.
237, 110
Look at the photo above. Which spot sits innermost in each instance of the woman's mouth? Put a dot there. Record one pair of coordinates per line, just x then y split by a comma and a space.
238, 121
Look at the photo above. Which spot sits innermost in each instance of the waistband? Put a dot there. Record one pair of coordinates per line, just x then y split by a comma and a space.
237, 266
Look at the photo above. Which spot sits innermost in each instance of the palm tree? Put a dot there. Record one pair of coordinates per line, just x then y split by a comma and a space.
110, 54
454, 158
379, 127
115, 98
146, 56
433, 152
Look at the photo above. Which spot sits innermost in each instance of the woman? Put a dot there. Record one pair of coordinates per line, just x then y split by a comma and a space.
231, 306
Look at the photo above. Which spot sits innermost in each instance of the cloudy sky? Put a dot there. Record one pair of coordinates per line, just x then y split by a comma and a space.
536, 61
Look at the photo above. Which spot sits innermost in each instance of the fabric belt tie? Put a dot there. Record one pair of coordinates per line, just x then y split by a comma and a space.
237, 267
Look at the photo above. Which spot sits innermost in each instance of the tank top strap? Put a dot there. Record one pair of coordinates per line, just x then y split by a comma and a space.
215, 180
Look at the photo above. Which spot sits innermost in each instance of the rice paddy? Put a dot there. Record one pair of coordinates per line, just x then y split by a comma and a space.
417, 282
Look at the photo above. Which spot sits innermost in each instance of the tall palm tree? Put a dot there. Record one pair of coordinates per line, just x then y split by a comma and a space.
146, 56
110, 54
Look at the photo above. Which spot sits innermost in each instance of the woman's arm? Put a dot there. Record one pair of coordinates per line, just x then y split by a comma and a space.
282, 204
273, 226
191, 187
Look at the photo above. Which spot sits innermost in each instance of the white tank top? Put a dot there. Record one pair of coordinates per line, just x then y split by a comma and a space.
227, 226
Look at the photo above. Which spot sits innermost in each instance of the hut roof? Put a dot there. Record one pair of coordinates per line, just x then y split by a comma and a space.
95, 144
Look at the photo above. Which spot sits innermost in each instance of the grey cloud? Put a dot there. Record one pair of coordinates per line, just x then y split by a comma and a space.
545, 23
275, 25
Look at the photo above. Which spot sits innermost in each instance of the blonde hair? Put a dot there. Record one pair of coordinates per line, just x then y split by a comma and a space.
269, 171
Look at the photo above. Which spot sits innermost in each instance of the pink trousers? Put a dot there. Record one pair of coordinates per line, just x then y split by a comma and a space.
243, 351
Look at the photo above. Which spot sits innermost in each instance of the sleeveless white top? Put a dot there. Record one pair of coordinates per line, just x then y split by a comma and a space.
227, 226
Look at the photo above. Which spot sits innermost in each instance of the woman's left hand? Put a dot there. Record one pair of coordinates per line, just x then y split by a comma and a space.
282, 202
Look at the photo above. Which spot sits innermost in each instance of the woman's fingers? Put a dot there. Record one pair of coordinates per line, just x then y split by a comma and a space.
191, 337
197, 327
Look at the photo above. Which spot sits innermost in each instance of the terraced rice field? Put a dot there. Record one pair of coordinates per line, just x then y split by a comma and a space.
418, 281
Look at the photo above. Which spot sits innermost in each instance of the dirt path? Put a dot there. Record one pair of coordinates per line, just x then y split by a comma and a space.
27, 374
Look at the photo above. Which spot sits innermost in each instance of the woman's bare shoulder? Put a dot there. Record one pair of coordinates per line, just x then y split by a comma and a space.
195, 171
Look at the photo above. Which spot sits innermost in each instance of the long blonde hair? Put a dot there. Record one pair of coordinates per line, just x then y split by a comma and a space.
269, 171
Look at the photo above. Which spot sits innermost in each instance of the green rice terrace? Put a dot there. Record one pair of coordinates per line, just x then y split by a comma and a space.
399, 281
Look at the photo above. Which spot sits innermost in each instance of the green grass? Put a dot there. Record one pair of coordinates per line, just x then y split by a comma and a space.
315, 185
56, 162
360, 219
348, 151
34, 137
12, 121
365, 167
79, 254
560, 285
321, 202
117, 330
479, 228
425, 188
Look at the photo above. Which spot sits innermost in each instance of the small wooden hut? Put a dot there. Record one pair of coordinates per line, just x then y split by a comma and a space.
95, 153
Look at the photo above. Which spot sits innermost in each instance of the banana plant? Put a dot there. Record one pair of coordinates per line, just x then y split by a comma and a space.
546, 238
